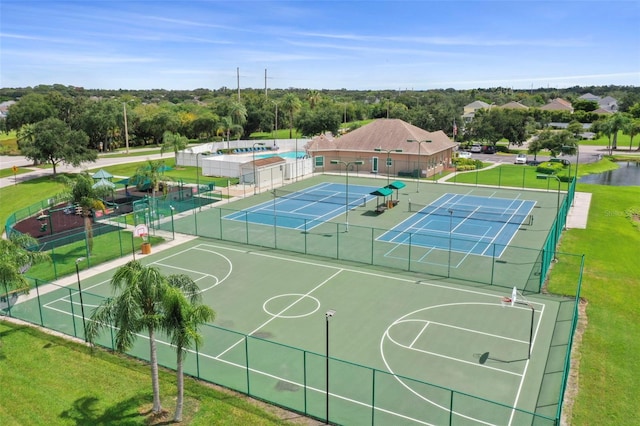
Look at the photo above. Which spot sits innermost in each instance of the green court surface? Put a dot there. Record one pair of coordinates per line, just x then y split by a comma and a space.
402, 349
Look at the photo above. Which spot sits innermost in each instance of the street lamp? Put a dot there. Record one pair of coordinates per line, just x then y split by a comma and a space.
173, 229
389, 151
419, 171
330, 313
275, 134
253, 153
346, 205
84, 324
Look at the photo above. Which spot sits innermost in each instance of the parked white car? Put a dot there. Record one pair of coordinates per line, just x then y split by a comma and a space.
521, 159
464, 154
476, 148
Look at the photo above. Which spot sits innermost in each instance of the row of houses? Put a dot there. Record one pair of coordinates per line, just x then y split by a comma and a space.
606, 105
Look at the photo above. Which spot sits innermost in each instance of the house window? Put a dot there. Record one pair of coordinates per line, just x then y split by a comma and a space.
319, 161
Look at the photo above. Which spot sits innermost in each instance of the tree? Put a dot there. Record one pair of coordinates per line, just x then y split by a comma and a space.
322, 119
52, 141
30, 109
173, 142
139, 292
82, 193
632, 129
534, 147
183, 314
17, 254
151, 175
291, 105
614, 124
313, 97
557, 141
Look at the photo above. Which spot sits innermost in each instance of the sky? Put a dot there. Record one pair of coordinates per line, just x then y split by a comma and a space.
319, 44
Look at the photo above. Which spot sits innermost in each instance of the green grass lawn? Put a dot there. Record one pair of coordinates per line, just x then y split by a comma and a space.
186, 173
47, 380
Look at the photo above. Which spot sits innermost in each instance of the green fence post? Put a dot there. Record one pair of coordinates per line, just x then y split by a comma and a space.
499, 176
524, 170
120, 241
39, 303
373, 396
372, 244
409, 257
197, 361
304, 378
246, 356
493, 262
305, 236
73, 315
55, 269
246, 225
451, 408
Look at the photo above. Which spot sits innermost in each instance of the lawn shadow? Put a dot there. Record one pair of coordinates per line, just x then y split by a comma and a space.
85, 412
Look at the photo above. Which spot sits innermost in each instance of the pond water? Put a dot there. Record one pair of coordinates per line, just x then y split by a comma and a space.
628, 174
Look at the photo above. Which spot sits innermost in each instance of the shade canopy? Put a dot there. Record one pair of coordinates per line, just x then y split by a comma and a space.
382, 192
103, 183
396, 185
102, 174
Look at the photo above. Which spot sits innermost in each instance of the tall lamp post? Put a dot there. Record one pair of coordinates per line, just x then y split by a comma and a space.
569, 149
84, 324
173, 229
330, 313
557, 209
275, 134
255, 178
346, 205
419, 142
388, 151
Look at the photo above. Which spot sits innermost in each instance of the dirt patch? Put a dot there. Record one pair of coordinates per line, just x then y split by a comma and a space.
573, 385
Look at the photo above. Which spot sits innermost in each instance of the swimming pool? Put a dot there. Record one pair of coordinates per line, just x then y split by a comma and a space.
284, 154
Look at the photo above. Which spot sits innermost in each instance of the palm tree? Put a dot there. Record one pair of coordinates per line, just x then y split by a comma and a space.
137, 305
151, 175
313, 97
174, 142
183, 314
291, 105
226, 127
15, 259
89, 199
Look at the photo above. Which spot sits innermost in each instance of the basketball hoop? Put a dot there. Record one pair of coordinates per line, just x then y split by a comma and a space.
140, 231
506, 301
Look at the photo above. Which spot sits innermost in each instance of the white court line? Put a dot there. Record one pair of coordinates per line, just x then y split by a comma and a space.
426, 324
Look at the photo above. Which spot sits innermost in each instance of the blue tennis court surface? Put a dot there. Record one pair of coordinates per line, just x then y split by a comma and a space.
464, 223
306, 209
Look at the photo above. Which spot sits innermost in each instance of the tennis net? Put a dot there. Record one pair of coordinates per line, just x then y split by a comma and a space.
474, 212
331, 197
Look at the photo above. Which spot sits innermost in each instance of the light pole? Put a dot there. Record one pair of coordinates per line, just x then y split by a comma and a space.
330, 313
255, 178
388, 151
419, 142
173, 229
84, 324
346, 205
275, 134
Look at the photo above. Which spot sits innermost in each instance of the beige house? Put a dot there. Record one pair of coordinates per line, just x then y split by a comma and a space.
383, 146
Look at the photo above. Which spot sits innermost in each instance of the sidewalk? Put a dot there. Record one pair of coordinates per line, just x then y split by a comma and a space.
36, 172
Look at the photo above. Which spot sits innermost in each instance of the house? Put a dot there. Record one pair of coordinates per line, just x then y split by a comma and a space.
557, 104
514, 105
607, 105
469, 110
388, 146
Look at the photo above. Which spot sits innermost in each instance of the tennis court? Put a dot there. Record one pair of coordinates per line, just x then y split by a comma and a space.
476, 222
401, 350
307, 208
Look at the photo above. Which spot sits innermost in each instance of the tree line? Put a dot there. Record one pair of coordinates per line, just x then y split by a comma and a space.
67, 124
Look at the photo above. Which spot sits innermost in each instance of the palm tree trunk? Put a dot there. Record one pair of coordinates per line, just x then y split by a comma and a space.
180, 380
155, 382
88, 229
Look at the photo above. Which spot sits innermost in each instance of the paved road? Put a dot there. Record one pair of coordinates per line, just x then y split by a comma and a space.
103, 161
